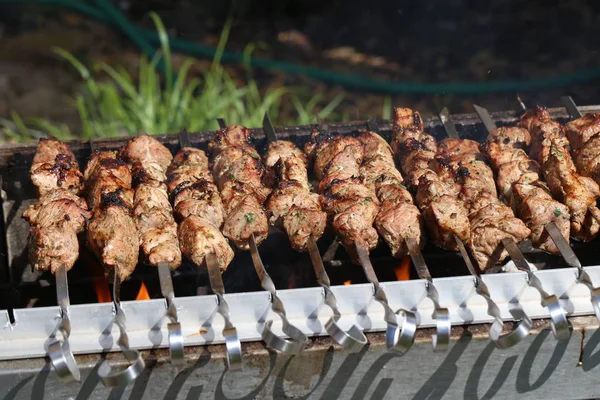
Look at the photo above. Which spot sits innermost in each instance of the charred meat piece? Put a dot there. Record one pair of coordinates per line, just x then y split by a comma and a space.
301, 223
584, 137
198, 208
60, 214
326, 151
284, 161
152, 211
287, 195
112, 234
246, 219
55, 167
581, 130
231, 136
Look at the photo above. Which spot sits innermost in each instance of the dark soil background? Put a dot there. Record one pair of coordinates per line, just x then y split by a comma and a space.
435, 41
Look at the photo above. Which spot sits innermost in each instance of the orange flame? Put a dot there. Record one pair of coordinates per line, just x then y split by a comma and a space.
402, 271
348, 282
101, 288
143, 293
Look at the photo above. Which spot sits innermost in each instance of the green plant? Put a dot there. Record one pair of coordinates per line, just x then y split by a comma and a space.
120, 106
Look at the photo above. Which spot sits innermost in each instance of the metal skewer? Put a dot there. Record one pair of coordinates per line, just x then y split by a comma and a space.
353, 339
441, 339
559, 323
298, 339
398, 338
59, 350
117, 376
522, 329
174, 327
571, 107
113, 377
232, 342
519, 332
559, 240
176, 346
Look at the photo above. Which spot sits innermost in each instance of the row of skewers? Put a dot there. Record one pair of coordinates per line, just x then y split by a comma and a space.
141, 198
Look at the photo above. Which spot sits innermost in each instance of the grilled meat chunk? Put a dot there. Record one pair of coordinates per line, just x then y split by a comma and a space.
552, 149
113, 237
112, 234
581, 130
198, 237
584, 137
59, 214
518, 179
55, 167
291, 204
152, 211
239, 172
352, 157
436, 190
198, 207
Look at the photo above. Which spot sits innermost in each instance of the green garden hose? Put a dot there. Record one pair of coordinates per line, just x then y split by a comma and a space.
146, 39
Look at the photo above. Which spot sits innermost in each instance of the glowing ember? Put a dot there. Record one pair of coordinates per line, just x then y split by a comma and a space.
143, 293
403, 270
348, 283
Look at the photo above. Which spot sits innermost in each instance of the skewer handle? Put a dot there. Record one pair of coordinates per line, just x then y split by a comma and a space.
174, 327
113, 377
398, 338
59, 350
353, 339
558, 316
519, 332
299, 339
441, 339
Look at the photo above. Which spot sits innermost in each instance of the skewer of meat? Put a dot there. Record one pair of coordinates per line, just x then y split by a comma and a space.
466, 152
337, 162
112, 236
551, 149
153, 215
520, 185
454, 169
297, 210
199, 212
239, 172
446, 216
55, 221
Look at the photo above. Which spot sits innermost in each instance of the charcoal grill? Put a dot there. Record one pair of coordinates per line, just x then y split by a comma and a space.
536, 367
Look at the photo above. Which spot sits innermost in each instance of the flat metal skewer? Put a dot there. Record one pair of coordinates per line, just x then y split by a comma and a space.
117, 376
176, 346
398, 338
232, 342
571, 107
519, 332
353, 339
441, 339
298, 338
59, 350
